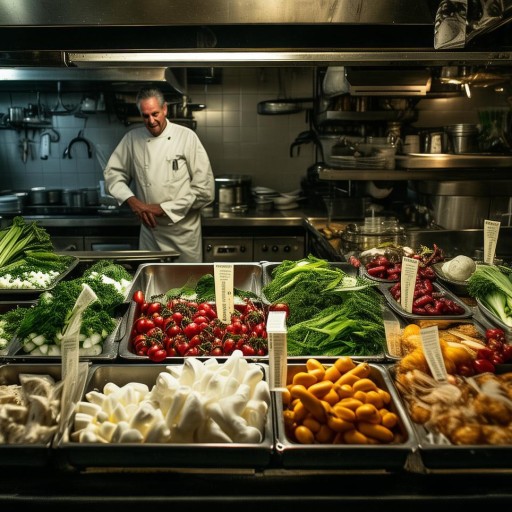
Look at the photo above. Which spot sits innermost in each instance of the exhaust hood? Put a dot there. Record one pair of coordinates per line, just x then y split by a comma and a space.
388, 82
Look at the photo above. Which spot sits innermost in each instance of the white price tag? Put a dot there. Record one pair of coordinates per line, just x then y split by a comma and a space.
433, 353
408, 282
224, 293
491, 232
277, 349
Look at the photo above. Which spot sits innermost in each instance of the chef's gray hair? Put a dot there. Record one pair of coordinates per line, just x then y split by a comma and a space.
149, 92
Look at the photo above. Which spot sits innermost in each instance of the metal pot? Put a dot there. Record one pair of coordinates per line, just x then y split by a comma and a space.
54, 196
16, 114
38, 196
372, 233
91, 196
232, 190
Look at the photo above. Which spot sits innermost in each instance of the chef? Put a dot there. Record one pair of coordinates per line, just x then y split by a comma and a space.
163, 173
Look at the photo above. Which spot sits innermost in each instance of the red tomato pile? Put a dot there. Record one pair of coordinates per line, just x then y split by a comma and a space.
181, 327
496, 352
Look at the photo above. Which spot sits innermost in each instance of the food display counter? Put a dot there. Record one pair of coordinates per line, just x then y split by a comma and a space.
281, 476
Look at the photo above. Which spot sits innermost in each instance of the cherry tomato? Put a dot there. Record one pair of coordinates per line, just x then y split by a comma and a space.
158, 319
138, 297
483, 366
157, 353
182, 347
143, 325
154, 307
216, 351
228, 345
495, 333
507, 353
171, 351
484, 353
248, 350
280, 306
191, 330
195, 341
177, 317
173, 330
192, 351
200, 319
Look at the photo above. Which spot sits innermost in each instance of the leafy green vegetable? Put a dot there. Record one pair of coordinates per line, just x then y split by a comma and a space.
494, 289
49, 317
20, 238
204, 289
310, 285
354, 327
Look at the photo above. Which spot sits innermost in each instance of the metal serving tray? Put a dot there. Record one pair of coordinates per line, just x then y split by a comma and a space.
158, 455
393, 304
5, 307
110, 350
494, 320
26, 454
158, 278
268, 267
33, 293
459, 458
385, 457
155, 279
481, 324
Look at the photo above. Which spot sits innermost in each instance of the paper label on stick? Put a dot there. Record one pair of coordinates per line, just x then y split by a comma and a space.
277, 349
224, 293
408, 282
433, 353
491, 232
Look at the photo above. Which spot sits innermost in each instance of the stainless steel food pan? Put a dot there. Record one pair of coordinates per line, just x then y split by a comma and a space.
32, 455
374, 457
156, 455
158, 278
451, 458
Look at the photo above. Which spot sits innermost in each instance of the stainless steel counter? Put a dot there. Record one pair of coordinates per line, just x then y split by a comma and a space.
212, 218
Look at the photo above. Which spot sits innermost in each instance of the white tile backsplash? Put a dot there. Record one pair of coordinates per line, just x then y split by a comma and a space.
237, 138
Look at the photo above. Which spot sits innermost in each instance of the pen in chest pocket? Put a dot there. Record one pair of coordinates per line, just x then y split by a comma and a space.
175, 161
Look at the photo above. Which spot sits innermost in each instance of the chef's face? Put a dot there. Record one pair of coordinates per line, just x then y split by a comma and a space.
154, 116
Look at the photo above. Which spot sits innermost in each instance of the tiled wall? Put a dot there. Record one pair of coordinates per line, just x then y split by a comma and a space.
237, 138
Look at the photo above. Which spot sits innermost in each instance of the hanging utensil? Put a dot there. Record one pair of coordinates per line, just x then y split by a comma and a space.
282, 105
60, 109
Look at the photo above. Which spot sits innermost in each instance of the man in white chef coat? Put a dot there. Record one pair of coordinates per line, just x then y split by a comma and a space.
171, 176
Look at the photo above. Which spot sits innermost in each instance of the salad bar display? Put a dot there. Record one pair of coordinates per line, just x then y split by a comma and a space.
164, 384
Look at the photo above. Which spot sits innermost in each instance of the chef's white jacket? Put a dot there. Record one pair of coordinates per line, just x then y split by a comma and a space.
172, 170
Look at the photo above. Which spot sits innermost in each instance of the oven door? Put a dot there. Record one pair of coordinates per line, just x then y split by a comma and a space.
219, 249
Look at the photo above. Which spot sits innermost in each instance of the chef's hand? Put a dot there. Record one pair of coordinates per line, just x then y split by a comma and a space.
147, 213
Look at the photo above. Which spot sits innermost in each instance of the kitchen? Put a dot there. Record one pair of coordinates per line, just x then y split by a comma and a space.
234, 134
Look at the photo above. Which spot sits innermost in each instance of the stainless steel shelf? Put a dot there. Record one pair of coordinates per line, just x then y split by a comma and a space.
332, 174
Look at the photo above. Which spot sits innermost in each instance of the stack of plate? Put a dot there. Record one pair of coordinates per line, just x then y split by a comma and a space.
287, 200
9, 204
359, 162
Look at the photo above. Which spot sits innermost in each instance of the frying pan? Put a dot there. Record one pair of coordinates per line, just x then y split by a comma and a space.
282, 106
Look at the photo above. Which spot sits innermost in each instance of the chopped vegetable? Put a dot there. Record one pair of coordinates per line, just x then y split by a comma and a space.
41, 329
